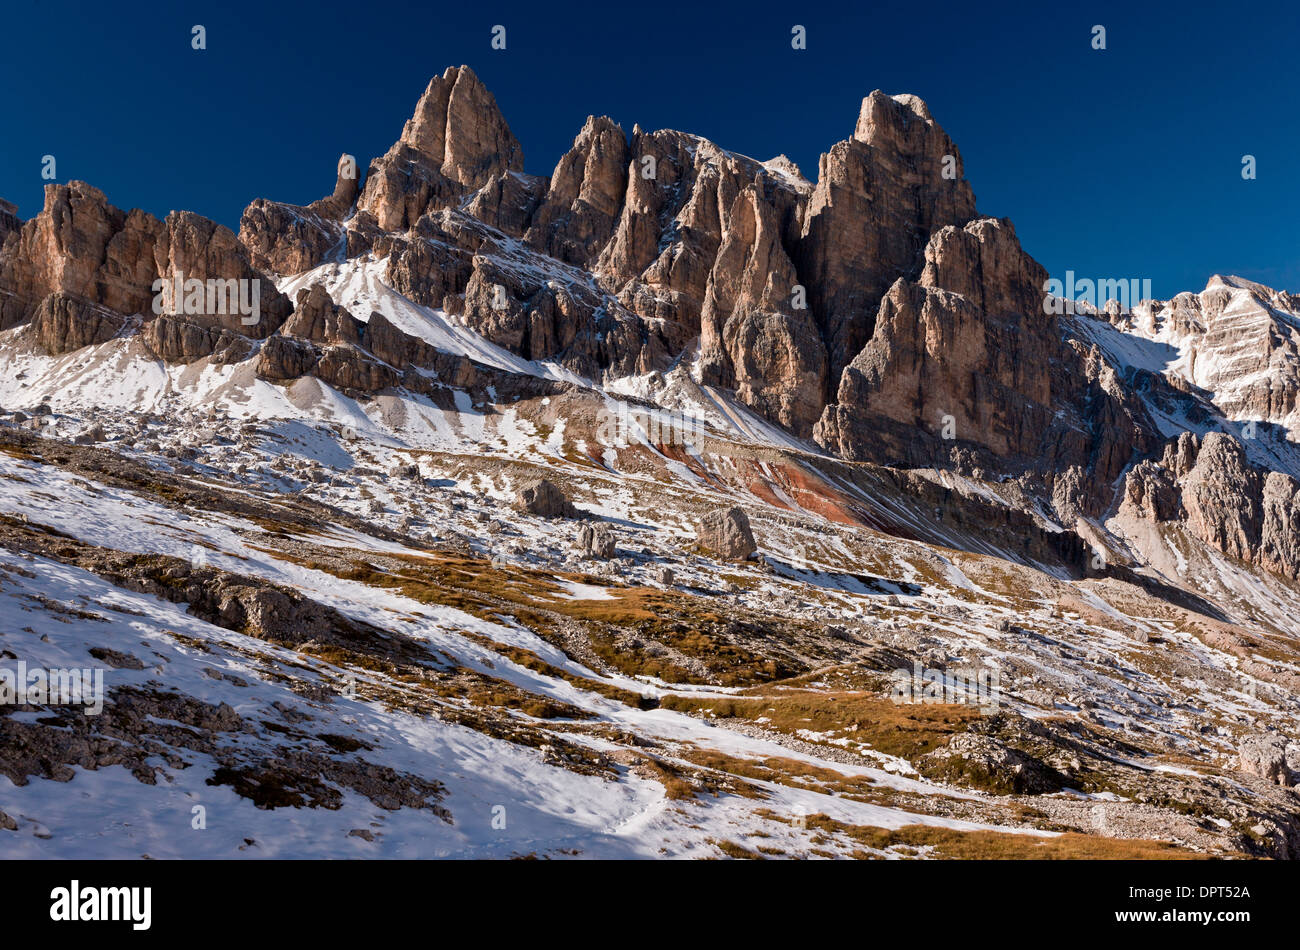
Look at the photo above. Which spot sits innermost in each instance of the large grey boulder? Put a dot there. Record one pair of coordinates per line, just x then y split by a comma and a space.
596, 540
1264, 756
726, 533
542, 498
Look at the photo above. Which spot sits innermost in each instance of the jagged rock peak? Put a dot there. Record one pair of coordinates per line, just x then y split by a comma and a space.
347, 184
1238, 283
880, 111
9, 220
457, 124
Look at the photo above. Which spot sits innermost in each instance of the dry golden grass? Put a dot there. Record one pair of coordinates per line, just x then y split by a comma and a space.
688, 624
794, 773
733, 850
683, 783
531, 661
949, 844
1005, 846
904, 730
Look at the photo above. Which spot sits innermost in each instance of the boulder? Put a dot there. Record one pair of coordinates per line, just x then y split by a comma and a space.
1264, 756
90, 435
543, 498
726, 533
597, 541
986, 762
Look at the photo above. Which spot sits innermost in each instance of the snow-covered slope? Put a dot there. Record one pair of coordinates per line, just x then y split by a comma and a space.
1237, 341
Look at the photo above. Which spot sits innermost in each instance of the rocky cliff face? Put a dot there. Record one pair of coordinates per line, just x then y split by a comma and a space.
639, 247
82, 265
1247, 513
879, 197
874, 312
1236, 339
288, 239
964, 367
9, 220
80, 245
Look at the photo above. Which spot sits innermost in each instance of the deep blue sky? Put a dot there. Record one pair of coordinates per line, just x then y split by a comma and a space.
1120, 164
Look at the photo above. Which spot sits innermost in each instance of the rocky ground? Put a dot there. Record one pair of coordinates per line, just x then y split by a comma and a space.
294, 619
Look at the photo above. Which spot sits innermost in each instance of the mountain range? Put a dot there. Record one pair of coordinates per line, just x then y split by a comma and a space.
618, 499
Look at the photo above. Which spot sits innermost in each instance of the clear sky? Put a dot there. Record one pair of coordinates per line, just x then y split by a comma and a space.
1122, 163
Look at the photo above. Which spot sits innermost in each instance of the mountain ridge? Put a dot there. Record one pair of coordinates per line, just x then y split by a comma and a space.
937, 472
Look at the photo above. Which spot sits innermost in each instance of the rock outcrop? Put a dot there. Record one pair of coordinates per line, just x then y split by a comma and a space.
577, 216
543, 498
756, 337
1236, 339
318, 318
1237, 508
289, 239
597, 541
206, 252
456, 143
63, 323
726, 533
672, 240
80, 245
879, 197
1264, 756
966, 360
100, 265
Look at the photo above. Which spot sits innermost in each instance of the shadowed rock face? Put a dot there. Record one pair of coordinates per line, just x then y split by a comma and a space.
1236, 507
9, 220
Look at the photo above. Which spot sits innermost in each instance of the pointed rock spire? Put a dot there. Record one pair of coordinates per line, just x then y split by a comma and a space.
458, 125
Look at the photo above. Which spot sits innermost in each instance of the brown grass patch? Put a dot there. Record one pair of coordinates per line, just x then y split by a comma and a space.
945, 843
904, 730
